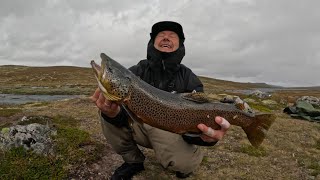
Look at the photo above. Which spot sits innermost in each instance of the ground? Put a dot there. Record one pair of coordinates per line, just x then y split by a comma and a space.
290, 151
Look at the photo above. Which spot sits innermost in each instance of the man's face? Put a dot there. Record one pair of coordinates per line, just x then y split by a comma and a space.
166, 41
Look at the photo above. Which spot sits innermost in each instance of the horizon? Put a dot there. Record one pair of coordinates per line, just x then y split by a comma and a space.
275, 86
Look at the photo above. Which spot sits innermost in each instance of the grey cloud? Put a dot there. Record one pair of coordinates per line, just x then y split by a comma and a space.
241, 40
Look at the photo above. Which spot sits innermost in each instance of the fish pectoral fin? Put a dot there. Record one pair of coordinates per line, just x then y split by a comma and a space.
132, 115
198, 97
110, 97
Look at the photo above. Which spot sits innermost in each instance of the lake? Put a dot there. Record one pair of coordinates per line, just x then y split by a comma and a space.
21, 99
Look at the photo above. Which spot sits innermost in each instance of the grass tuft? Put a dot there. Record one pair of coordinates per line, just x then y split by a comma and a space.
315, 166
317, 144
253, 151
6, 112
260, 108
21, 164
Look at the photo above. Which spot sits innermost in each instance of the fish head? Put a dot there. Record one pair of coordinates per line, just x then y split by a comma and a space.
113, 81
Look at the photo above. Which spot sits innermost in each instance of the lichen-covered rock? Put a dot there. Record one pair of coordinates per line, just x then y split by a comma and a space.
35, 137
310, 99
260, 94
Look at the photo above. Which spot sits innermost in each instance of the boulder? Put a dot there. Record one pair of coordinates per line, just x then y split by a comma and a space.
310, 99
260, 94
35, 137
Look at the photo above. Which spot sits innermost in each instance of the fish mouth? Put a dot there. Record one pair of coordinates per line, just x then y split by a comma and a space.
104, 84
96, 69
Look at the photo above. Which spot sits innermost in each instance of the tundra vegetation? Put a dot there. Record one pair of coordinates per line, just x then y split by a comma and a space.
290, 151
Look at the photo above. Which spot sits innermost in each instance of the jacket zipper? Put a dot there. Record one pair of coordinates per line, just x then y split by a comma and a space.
163, 66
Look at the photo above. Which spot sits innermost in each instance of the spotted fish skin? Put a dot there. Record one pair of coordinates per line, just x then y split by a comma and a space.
172, 112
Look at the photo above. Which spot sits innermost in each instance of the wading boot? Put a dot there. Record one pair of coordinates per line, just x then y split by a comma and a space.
127, 170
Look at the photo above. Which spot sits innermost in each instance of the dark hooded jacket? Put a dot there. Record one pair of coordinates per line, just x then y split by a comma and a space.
164, 71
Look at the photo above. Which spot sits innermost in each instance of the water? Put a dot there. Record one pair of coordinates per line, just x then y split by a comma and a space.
264, 90
21, 99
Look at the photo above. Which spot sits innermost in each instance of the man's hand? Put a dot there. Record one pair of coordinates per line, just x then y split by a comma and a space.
210, 135
107, 107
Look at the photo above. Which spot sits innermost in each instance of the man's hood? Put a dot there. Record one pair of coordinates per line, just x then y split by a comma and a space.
163, 60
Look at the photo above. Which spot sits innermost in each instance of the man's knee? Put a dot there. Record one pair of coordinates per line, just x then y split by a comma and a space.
184, 162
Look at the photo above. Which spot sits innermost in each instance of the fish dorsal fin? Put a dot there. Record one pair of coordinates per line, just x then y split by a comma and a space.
240, 106
198, 97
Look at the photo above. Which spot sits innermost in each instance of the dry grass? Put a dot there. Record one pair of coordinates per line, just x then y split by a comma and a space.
290, 151
46, 80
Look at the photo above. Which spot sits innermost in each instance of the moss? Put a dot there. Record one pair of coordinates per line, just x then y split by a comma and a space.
5, 125
253, 151
6, 112
69, 140
21, 164
65, 121
315, 166
260, 108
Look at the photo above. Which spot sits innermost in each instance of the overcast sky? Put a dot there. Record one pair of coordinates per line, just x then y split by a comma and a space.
272, 41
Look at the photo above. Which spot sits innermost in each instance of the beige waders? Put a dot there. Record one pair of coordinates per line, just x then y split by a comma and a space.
170, 148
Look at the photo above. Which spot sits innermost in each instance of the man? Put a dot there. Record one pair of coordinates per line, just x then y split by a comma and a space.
162, 69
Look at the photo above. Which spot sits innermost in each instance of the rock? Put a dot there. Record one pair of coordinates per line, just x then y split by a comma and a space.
35, 137
227, 99
245, 106
310, 99
238, 102
260, 94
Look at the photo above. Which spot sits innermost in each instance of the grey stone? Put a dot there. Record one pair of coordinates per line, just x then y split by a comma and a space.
35, 137
310, 99
260, 94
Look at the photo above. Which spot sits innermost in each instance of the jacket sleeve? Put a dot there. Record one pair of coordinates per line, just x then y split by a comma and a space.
192, 82
120, 120
197, 141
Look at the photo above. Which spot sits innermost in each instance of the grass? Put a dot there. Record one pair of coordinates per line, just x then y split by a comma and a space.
314, 165
66, 80
259, 107
68, 151
317, 144
7, 112
252, 151
5, 125
21, 164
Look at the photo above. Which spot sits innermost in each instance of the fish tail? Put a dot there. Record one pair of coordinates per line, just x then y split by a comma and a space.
257, 131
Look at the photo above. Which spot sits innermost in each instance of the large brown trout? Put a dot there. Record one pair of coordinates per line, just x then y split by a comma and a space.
177, 113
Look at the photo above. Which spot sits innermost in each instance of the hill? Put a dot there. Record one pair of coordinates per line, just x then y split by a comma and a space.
69, 79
